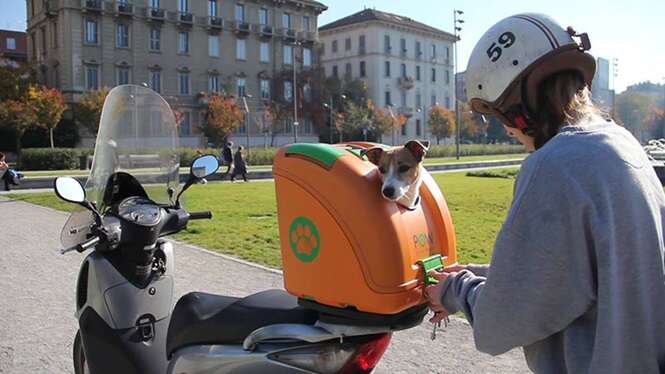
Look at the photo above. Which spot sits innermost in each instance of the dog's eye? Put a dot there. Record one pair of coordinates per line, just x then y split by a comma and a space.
382, 170
403, 168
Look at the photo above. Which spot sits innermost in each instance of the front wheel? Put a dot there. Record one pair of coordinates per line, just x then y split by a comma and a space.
80, 365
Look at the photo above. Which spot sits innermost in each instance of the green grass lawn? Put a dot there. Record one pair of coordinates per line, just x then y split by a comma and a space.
428, 161
244, 220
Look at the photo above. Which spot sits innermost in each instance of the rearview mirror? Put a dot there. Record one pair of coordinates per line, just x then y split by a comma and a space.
69, 189
204, 166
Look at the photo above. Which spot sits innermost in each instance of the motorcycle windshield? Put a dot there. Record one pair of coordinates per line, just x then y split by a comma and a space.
137, 135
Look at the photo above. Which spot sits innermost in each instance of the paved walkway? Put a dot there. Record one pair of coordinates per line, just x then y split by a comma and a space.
37, 287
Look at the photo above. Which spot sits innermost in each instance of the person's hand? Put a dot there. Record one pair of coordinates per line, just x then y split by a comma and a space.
454, 268
434, 294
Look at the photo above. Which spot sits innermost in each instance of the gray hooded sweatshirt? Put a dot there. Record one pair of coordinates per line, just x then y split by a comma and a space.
577, 275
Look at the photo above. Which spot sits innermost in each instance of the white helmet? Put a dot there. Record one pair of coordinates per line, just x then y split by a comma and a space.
523, 50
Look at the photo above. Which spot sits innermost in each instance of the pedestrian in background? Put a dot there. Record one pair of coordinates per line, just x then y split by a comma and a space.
239, 165
227, 157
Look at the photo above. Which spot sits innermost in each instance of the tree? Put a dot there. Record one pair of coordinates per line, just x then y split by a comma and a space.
89, 109
222, 116
632, 110
18, 116
382, 120
356, 117
49, 107
441, 122
15, 81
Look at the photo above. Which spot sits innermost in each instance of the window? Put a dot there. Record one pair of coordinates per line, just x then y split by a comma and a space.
288, 55
402, 47
155, 39
447, 77
240, 12
263, 16
92, 77
388, 101
42, 31
447, 102
418, 100
363, 71
122, 75
90, 32
33, 44
156, 80
288, 90
240, 87
213, 83
154, 4
307, 128
348, 71
305, 23
433, 100
433, 75
306, 57
183, 6
403, 97
447, 53
265, 88
183, 42
55, 33
347, 44
307, 92
241, 51
183, 83
361, 44
334, 46
122, 36
418, 73
419, 51
387, 69
418, 127
433, 51
264, 52
10, 43
403, 128
403, 70
334, 71
386, 44
286, 20
186, 124
213, 45
212, 8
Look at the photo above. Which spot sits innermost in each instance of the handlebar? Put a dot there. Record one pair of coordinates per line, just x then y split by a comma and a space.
200, 215
82, 247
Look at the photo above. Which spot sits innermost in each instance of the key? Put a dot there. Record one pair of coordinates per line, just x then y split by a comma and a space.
435, 326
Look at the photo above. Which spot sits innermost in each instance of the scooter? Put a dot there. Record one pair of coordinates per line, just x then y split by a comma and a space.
124, 290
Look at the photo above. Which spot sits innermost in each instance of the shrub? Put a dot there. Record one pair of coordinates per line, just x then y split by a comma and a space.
448, 150
499, 173
49, 159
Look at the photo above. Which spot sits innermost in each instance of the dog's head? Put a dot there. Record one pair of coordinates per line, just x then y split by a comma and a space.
399, 167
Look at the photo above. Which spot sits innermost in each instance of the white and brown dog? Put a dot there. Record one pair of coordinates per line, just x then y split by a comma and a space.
401, 170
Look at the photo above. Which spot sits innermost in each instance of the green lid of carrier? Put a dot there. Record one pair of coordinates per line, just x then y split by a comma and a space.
322, 153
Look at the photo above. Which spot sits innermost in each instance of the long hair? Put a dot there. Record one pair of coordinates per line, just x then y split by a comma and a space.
563, 98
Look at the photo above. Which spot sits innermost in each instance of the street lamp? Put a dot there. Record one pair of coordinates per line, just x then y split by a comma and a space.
331, 108
457, 23
245, 96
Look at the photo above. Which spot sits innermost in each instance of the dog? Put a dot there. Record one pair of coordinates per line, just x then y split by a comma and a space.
401, 170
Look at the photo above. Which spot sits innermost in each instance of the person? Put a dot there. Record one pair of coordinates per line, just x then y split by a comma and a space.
239, 165
227, 157
577, 276
8, 175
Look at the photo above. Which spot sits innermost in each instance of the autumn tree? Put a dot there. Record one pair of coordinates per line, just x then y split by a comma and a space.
17, 116
382, 120
222, 116
441, 122
357, 116
89, 109
49, 106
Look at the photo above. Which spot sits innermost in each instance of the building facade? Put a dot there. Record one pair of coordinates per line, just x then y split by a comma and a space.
407, 65
180, 48
601, 93
13, 48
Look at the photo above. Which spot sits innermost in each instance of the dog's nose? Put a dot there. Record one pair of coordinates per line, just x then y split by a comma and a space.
388, 192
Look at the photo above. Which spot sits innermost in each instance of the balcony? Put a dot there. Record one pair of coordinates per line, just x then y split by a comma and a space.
51, 8
289, 35
406, 83
156, 14
266, 31
309, 37
215, 23
241, 28
92, 5
406, 111
185, 18
124, 8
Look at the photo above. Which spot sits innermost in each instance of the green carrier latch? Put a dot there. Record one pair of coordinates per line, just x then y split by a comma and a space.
428, 264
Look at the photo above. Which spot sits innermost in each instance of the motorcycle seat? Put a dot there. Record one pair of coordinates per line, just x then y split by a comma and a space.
205, 319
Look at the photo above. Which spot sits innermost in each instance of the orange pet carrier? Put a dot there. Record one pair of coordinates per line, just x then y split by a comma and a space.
345, 247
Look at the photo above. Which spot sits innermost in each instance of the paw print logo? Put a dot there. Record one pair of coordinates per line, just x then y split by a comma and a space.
304, 239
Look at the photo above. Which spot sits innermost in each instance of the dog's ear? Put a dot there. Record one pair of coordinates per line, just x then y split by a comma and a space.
373, 154
418, 148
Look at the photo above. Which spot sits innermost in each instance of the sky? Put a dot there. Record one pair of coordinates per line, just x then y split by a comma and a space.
630, 31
